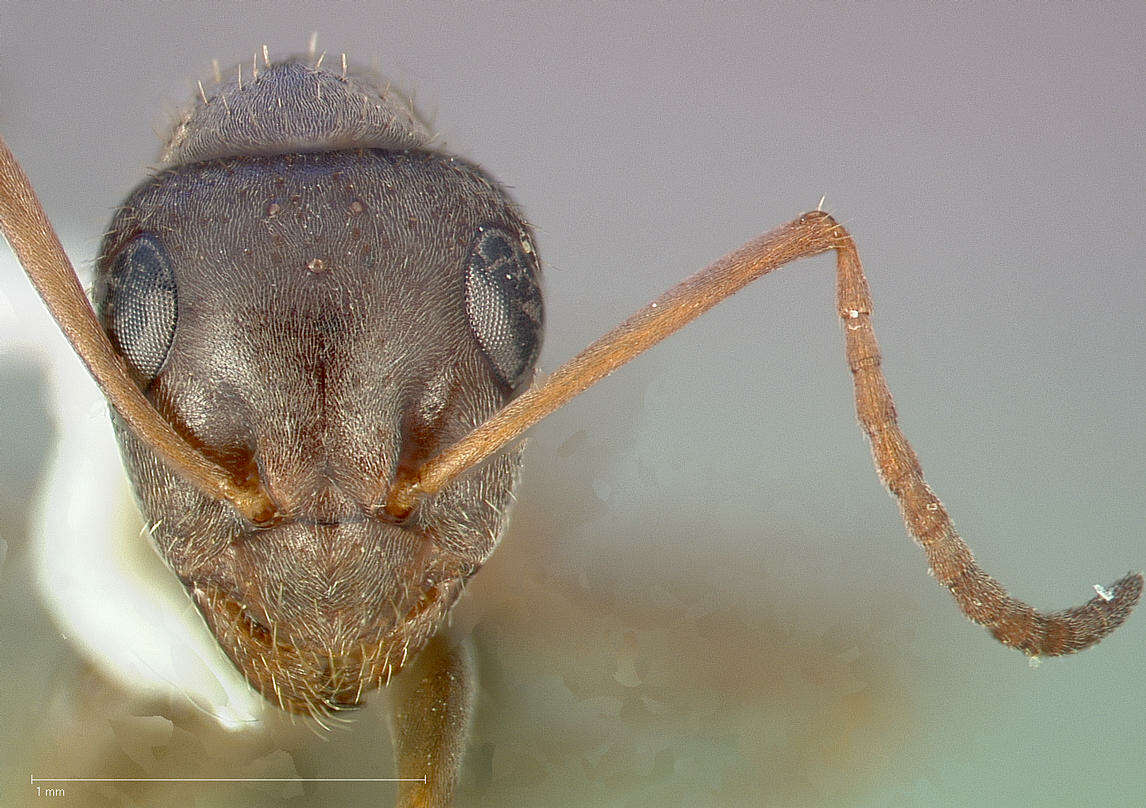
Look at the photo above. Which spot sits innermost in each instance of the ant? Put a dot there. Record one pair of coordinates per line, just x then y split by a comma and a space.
318, 336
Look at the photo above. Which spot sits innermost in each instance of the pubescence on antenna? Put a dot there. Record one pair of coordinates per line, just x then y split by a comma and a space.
979, 596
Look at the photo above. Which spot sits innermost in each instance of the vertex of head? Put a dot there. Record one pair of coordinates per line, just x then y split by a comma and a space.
295, 105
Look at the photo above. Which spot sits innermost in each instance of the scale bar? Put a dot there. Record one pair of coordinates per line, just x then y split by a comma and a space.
35, 780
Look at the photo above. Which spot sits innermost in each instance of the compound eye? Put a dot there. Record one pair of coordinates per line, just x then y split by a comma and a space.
140, 308
503, 302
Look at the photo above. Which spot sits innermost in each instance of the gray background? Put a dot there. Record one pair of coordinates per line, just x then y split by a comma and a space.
705, 597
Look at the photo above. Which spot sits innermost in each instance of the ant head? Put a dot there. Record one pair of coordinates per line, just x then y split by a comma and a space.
320, 320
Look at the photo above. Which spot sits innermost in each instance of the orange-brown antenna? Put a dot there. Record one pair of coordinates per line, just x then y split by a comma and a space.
26, 226
979, 596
